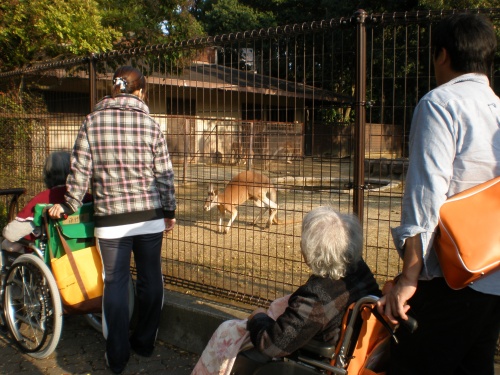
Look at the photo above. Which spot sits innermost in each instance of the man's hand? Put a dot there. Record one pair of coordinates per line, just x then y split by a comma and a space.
394, 303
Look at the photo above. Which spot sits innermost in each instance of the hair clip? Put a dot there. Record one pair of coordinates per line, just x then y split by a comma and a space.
122, 82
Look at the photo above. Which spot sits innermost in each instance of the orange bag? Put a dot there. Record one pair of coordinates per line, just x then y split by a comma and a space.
78, 275
468, 241
79, 280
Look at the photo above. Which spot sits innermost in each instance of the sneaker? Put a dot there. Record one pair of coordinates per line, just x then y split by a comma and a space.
115, 370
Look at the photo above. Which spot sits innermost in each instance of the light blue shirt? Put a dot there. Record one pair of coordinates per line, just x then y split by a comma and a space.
454, 145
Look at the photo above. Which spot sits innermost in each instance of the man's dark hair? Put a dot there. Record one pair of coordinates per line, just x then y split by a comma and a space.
470, 41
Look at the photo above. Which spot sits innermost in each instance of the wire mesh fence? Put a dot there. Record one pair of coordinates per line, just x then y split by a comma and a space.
284, 103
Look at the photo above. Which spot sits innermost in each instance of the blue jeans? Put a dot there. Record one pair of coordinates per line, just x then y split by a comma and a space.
116, 256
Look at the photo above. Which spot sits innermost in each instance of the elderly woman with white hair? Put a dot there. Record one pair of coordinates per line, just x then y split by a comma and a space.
331, 245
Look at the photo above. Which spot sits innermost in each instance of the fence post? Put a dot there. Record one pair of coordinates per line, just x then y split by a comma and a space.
92, 82
360, 115
250, 147
186, 150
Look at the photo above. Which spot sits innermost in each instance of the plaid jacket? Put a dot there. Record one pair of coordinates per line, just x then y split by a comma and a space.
122, 150
315, 310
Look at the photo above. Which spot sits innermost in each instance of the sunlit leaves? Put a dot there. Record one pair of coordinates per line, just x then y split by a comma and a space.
37, 30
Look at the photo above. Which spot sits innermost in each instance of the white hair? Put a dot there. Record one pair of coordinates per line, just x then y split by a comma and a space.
331, 241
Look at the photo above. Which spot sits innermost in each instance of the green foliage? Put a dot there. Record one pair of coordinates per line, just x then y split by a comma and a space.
226, 16
457, 4
299, 11
337, 116
150, 22
76, 26
231, 16
37, 30
3, 216
16, 134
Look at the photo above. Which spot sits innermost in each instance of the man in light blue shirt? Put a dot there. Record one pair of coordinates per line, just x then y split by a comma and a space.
454, 145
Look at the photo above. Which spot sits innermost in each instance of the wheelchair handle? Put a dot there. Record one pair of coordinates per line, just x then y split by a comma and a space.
63, 216
410, 324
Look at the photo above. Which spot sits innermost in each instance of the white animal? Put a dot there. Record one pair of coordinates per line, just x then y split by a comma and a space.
244, 186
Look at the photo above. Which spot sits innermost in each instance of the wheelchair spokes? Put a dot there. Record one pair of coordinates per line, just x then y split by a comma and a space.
33, 307
25, 298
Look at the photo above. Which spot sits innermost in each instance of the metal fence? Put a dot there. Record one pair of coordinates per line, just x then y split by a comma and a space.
322, 108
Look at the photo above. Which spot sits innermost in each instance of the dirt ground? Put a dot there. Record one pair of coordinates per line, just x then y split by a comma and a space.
253, 263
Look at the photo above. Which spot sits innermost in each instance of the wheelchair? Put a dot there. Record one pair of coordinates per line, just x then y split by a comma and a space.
31, 306
363, 348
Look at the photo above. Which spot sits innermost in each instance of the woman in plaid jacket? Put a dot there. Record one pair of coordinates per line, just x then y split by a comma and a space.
121, 154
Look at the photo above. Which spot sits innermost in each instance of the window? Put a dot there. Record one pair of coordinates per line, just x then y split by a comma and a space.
251, 111
180, 106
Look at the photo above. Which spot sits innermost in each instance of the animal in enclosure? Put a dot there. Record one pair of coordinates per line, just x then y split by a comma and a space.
247, 185
237, 156
287, 150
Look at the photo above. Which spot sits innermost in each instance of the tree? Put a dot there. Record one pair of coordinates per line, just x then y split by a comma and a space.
150, 22
38, 30
231, 16
457, 4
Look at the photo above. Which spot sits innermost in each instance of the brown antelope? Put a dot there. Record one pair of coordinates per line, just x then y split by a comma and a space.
244, 186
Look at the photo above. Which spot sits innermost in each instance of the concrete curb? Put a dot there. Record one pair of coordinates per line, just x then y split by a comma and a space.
188, 322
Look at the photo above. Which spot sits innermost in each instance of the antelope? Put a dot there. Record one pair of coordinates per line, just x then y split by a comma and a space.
244, 186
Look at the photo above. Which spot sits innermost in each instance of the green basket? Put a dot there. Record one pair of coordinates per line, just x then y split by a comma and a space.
77, 229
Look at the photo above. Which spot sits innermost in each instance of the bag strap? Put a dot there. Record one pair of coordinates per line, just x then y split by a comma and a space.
47, 233
72, 262
71, 258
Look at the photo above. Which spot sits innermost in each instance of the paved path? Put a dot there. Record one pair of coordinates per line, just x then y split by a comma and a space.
81, 351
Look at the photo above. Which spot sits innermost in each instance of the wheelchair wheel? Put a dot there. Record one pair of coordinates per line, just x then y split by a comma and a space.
32, 308
95, 320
